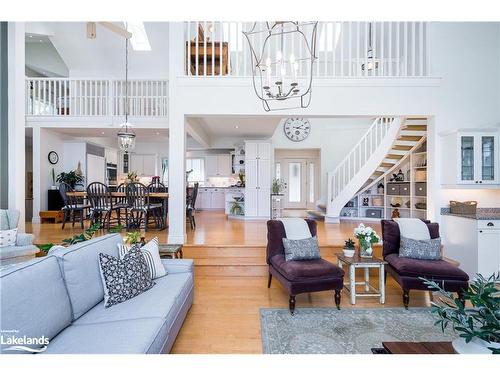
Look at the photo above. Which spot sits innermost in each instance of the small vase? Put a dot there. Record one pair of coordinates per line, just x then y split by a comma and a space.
365, 251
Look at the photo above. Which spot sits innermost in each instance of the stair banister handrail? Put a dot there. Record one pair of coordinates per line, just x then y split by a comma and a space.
344, 172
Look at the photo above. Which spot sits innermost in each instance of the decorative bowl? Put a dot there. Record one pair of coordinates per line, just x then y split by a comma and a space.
349, 253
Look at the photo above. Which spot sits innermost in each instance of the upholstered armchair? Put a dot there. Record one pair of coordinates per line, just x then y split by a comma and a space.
407, 271
304, 276
23, 249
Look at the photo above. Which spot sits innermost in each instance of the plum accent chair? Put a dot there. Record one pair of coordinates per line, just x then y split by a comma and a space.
24, 249
304, 276
406, 271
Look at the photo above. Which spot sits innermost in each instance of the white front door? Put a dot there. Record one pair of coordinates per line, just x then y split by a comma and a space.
300, 182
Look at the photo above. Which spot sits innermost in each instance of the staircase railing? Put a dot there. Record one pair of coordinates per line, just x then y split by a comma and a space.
357, 159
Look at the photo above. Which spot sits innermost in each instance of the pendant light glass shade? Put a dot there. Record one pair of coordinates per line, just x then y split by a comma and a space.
126, 136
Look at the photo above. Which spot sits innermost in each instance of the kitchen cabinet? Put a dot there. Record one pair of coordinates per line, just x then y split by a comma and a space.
143, 164
477, 158
475, 244
111, 156
218, 165
257, 179
210, 199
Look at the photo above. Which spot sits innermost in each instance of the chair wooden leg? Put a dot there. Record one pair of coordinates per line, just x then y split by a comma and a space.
81, 218
65, 218
406, 298
269, 280
291, 305
337, 298
73, 218
461, 296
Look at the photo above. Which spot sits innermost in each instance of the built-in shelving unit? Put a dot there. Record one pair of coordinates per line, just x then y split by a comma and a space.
409, 196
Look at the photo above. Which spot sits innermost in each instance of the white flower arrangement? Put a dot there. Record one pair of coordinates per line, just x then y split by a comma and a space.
366, 235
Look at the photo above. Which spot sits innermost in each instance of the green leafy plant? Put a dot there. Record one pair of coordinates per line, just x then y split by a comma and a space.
482, 320
277, 186
87, 235
241, 177
116, 229
133, 237
71, 178
132, 176
236, 208
349, 244
45, 247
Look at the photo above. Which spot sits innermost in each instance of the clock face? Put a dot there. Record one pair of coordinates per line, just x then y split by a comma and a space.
53, 157
297, 129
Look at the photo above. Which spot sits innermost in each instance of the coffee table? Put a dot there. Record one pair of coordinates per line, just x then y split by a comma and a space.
170, 251
356, 262
438, 347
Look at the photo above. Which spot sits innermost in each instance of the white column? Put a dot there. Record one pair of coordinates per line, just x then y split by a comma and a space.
37, 186
16, 119
177, 139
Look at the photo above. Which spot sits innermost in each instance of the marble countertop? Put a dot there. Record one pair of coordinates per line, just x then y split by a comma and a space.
481, 214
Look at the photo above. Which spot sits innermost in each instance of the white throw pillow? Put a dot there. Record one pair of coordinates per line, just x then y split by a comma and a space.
8, 237
414, 229
151, 254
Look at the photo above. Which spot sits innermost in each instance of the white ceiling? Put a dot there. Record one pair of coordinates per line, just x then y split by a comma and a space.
234, 126
105, 55
111, 133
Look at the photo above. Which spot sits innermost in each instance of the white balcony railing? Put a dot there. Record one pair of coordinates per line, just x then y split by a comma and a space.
95, 97
399, 48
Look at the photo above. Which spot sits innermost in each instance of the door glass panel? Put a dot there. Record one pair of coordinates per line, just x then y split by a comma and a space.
278, 171
467, 158
294, 182
311, 183
488, 158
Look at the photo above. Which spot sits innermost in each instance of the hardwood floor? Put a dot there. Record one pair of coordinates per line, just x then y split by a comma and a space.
231, 280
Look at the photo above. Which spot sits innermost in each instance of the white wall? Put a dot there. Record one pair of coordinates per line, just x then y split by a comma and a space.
49, 141
335, 137
44, 59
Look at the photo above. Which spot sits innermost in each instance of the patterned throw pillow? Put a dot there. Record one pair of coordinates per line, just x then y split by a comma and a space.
151, 254
306, 249
125, 278
420, 249
8, 237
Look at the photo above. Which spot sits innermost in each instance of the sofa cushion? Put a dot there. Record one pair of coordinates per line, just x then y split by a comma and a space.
17, 251
305, 269
34, 300
162, 301
120, 337
276, 233
391, 236
80, 269
420, 249
432, 269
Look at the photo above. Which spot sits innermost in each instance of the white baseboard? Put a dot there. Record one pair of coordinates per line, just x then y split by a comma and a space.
332, 220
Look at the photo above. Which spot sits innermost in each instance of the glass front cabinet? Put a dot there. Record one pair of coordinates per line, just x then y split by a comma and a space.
478, 158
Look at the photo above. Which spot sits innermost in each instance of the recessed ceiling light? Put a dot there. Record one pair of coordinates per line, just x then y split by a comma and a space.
102, 132
236, 126
157, 133
30, 36
139, 39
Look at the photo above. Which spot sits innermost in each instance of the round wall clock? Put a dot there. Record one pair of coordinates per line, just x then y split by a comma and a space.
297, 129
53, 157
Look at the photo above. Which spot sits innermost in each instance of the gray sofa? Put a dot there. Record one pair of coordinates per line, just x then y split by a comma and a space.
24, 249
60, 296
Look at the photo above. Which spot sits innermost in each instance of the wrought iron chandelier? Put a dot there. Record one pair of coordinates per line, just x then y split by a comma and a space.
283, 55
126, 136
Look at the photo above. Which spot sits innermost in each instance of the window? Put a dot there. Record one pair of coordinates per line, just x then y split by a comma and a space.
197, 168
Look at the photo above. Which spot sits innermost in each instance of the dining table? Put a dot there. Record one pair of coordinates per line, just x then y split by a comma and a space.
120, 194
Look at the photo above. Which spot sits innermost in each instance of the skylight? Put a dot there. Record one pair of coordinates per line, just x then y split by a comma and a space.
139, 40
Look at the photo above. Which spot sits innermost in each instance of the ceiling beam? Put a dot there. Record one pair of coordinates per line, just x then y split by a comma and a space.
92, 29
195, 127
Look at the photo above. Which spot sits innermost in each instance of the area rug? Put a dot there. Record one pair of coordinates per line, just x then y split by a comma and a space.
345, 331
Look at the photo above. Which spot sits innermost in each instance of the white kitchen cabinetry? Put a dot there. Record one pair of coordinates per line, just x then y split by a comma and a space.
111, 156
210, 199
257, 179
475, 244
477, 158
143, 164
218, 165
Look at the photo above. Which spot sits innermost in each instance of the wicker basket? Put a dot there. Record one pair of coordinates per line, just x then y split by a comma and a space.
463, 208
421, 176
377, 201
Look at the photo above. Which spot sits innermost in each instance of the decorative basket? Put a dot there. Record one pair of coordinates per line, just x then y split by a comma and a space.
377, 201
420, 176
467, 208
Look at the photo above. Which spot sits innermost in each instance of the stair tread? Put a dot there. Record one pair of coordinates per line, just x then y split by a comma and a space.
393, 156
410, 138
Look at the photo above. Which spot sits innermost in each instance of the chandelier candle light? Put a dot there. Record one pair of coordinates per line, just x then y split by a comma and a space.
126, 136
283, 55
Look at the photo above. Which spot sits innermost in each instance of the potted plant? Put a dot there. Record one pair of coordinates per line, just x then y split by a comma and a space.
349, 248
277, 186
134, 238
236, 208
241, 177
131, 177
71, 178
478, 326
366, 237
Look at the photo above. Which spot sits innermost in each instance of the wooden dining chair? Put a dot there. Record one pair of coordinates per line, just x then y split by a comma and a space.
190, 205
102, 205
157, 187
140, 208
72, 206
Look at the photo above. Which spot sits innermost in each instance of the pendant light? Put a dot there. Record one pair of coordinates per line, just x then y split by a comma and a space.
126, 136
371, 63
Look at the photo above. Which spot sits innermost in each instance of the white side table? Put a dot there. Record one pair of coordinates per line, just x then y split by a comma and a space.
366, 263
